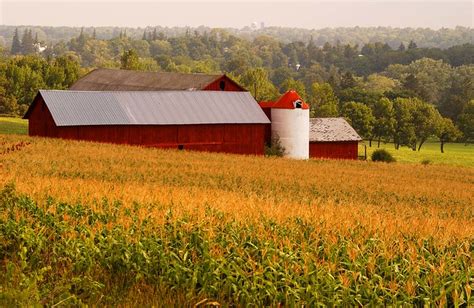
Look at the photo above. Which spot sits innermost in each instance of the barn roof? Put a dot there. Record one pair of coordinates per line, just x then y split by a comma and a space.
331, 129
80, 108
104, 79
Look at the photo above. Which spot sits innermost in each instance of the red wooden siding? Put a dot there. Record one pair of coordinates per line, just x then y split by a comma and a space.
334, 150
229, 138
227, 84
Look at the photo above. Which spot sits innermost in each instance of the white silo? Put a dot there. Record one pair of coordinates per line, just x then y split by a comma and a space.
290, 123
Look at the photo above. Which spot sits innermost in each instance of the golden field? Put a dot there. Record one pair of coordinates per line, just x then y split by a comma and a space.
374, 233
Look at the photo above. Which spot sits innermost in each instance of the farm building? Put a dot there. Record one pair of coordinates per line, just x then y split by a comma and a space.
303, 137
289, 118
332, 138
104, 79
214, 121
185, 111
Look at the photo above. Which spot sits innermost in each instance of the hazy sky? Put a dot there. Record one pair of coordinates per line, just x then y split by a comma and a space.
231, 13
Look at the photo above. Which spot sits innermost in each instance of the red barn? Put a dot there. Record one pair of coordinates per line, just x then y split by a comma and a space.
332, 138
104, 79
214, 121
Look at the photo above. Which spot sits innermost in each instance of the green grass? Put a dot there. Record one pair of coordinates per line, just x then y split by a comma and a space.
457, 154
13, 126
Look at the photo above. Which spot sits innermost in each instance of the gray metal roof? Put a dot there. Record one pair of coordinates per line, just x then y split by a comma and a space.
331, 129
78, 108
106, 79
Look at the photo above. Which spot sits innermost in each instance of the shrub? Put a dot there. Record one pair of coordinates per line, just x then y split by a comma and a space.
426, 162
382, 155
275, 148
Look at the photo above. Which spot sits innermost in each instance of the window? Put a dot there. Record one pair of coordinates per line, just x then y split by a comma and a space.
298, 104
181, 147
222, 85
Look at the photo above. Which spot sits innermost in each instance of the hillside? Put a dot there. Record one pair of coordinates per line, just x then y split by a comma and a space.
105, 224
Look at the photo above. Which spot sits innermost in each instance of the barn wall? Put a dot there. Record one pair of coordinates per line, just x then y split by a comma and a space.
334, 150
40, 122
229, 138
230, 85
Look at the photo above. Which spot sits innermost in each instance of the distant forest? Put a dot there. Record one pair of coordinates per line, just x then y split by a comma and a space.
401, 85
424, 37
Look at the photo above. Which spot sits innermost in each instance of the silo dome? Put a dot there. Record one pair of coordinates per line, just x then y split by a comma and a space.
290, 123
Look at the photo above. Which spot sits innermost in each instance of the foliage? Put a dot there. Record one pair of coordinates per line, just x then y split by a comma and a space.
447, 132
466, 122
324, 103
275, 148
360, 117
384, 124
296, 85
404, 134
119, 225
383, 156
257, 82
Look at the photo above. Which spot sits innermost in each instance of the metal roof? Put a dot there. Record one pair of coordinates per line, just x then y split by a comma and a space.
105, 79
331, 129
79, 108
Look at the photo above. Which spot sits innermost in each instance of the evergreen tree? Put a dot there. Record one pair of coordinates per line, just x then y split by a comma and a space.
16, 44
94, 35
155, 36
401, 47
145, 37
348, 81
27, 43
412, 45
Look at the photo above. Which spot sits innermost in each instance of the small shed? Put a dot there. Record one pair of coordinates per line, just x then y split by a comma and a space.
332, 138
105, 79
213, 121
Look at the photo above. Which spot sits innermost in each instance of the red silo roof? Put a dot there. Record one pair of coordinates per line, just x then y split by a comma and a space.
286, 101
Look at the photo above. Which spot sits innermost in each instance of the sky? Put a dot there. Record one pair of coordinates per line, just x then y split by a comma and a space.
237, 14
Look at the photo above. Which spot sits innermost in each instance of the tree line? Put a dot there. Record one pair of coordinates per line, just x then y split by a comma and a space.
372, 85
427, 38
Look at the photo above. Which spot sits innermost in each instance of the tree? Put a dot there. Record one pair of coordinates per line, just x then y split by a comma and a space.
324, 102
401, 47
426, 78
412, 45
360, 117
27, 43
425, 121
16, 44
257, 82
384, 124
404, 133
466, 122
380, 84
447, 132
348, 81
129, 60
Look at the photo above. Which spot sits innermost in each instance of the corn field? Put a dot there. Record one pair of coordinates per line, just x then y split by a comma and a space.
84, 223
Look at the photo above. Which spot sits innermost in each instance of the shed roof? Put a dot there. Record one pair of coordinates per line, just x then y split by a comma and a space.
105, 79
331, 129
80, 108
